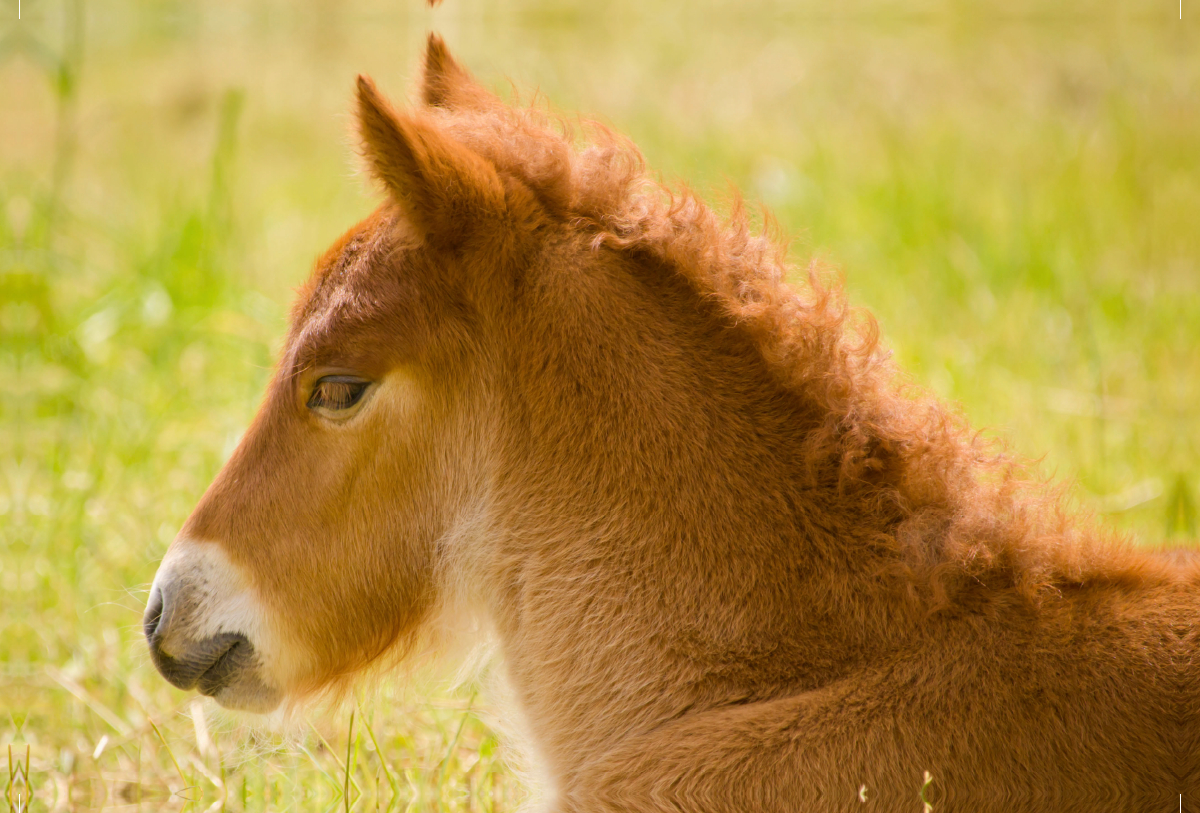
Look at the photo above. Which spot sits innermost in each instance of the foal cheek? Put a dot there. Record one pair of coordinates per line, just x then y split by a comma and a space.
368, 551
337, 523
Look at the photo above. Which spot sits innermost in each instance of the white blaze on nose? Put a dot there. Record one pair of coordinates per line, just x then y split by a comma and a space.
207, 595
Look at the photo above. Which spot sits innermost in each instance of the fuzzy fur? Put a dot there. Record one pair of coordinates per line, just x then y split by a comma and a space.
734, 561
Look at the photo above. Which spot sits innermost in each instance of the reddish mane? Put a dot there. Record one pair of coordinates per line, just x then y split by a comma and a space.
955, 504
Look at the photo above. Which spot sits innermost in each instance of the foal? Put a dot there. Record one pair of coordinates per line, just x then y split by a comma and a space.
730, 562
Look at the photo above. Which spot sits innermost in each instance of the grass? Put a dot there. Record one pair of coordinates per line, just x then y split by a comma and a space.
1013, 195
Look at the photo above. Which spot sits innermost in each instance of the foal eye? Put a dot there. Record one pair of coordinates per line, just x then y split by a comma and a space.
337, 392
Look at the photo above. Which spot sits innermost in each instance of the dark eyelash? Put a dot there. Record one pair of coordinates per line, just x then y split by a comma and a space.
337, 392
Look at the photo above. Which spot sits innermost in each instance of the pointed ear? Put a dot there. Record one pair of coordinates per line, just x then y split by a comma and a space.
448, 84
445, 188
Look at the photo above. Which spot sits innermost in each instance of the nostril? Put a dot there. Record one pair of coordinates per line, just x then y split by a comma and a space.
154, 614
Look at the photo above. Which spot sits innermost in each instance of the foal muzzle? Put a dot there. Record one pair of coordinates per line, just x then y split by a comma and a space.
196, 627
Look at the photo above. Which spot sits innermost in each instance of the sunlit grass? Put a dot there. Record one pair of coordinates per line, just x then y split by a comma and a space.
1014, 200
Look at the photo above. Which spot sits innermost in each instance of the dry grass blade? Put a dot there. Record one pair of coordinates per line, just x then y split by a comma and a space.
379, 753
349, 747
174, 761
103, 712
445, 772
327, 747
333, 783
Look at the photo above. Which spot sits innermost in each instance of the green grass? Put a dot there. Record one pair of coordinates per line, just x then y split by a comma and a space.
1014, 196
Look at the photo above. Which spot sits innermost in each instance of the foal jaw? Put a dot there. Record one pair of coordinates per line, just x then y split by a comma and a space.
206, 629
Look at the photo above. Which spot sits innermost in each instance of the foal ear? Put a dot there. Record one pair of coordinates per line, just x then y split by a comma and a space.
448, 84
444, 187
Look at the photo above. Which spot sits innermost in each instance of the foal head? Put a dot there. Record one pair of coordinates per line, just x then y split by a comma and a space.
525, 345
322, 543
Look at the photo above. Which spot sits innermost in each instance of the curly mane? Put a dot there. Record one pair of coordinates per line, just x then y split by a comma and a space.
955, 506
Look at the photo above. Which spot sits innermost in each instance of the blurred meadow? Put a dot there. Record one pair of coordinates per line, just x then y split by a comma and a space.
1012, 188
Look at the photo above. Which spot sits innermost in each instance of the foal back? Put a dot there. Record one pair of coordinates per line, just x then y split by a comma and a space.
1088, 701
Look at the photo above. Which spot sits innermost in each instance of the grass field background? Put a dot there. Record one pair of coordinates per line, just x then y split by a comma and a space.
1013, 190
